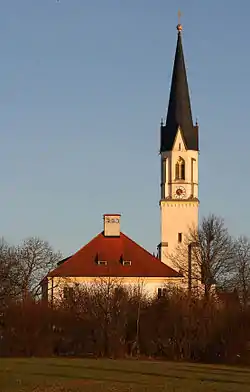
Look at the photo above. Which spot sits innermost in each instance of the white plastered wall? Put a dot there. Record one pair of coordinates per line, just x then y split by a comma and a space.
176, 217
148, 285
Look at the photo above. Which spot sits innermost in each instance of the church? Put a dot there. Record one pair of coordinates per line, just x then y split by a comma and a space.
113, 255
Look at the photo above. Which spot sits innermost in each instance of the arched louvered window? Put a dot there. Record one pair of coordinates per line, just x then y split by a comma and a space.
180, 169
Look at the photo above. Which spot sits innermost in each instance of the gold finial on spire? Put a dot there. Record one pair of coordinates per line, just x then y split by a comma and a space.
179, 26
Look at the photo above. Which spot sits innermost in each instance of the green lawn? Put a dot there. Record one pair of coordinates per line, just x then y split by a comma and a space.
54, 375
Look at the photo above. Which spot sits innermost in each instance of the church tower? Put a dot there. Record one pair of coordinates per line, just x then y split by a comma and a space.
179, 151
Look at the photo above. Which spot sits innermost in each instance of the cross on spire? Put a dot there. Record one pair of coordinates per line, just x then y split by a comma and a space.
179, 17
179, 26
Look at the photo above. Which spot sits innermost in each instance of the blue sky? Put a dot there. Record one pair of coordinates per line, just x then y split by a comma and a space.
84, 84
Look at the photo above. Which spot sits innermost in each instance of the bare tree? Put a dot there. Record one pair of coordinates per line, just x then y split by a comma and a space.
9, 272
239, 277
212, 253
36, 258
107, 306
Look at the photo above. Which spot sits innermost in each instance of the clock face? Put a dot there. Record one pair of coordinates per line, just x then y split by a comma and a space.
180, 192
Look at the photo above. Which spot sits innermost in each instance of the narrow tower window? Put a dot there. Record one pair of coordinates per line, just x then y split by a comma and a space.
179, 146
177, 171
180, 169
179, 237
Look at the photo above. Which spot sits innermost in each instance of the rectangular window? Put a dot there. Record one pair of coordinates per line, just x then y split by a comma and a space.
179, 237
102, 262
68, 293
179, 146
162, 292
126, 262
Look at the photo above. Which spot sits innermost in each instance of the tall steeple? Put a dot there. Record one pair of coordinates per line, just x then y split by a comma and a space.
179, 201
179, 113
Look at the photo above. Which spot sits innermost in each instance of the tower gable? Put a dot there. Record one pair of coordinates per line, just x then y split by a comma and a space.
179, 143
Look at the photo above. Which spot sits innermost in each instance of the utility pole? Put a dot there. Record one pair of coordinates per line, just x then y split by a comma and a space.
190, 268
190, 247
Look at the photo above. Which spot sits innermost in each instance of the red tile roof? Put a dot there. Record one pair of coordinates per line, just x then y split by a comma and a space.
113, 250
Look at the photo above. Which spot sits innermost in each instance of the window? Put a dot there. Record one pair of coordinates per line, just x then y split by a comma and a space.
177, 171
68, 293
126, 262
180, 169
183, 171
179, 146
162, 292
119, 292
179, 237
102, 262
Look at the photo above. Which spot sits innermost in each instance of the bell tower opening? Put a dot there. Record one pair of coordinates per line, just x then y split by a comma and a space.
180, 169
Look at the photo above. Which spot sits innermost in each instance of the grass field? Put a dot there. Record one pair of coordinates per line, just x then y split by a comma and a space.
54, 375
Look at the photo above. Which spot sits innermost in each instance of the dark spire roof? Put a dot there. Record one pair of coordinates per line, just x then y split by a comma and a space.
179, 108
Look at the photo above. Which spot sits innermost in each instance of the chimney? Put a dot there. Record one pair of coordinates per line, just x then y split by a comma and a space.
111, 225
